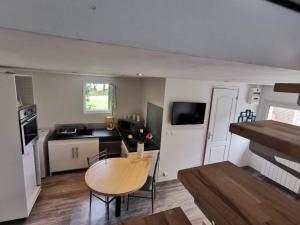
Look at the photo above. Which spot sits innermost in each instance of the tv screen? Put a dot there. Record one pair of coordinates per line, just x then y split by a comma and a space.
291, 4
154, 121
188, 113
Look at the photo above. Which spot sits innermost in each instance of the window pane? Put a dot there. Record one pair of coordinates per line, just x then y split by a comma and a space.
97, 97
285, 115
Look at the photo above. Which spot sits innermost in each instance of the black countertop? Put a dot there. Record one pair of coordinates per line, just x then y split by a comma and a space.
106, 135
132, 144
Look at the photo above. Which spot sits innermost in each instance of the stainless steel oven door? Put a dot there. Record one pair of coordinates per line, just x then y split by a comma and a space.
29, 131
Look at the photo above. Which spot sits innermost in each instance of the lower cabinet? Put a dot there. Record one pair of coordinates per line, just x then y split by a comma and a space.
30, 176
113, 148
71, 154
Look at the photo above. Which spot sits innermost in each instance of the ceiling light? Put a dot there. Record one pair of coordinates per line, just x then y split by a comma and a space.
139, 74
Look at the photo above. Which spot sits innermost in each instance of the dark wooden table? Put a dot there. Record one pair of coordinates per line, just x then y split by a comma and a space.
287, 87
281, 137
228, 195
170, 217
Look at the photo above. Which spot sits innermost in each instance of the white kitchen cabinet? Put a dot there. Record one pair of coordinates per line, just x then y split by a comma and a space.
71, 154
31, 187
85, 149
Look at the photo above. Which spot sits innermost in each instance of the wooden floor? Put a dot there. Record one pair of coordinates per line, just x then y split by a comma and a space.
64, 200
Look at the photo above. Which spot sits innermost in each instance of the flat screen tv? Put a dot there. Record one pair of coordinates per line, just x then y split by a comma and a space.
184, 113
291, 4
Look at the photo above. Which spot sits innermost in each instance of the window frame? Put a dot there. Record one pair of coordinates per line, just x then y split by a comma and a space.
110, 98
268, 104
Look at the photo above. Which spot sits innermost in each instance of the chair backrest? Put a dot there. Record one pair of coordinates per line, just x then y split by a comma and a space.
155, 166
96, 158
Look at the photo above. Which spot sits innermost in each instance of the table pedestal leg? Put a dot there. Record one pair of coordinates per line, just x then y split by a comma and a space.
118, 206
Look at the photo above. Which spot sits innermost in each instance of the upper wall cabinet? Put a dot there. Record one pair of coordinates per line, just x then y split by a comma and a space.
24, 89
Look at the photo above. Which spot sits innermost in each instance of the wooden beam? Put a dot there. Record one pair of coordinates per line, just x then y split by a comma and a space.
288, 88
228, 195
282, 137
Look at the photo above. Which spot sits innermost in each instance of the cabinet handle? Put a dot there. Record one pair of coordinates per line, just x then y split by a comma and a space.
72, 153
77, 152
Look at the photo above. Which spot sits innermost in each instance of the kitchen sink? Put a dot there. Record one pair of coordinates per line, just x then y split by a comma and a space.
84, 132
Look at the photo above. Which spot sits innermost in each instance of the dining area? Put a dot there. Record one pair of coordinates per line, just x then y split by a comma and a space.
116, 181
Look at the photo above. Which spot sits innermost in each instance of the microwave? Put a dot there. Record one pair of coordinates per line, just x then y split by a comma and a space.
130, 126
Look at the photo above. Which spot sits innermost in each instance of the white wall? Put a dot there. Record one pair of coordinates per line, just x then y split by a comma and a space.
12, 187
251, 31
269, 97
24, 89
153, 92
183, 146
59, 98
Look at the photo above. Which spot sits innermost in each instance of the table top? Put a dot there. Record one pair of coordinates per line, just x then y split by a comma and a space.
229, 195
119, 176
278, 136
170, 217
287, 87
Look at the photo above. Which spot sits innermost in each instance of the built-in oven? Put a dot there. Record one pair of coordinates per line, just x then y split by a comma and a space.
28, 125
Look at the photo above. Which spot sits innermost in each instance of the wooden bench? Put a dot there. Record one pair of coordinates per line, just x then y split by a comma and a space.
228, 195
170, 217
281, 137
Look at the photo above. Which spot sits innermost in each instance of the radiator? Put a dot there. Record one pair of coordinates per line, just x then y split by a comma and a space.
280, 176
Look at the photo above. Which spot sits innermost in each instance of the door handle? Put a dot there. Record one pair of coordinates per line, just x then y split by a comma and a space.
77, 152
72, 153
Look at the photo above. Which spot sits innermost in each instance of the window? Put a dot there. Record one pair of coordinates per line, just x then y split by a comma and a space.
284, 115
97, 97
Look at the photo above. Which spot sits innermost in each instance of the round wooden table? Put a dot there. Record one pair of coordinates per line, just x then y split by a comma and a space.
119, 176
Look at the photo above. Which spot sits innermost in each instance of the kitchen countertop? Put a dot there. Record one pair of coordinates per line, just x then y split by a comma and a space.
106, 135
132, 146
113, 135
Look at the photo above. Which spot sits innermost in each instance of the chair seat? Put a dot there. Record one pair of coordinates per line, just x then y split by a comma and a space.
148, 185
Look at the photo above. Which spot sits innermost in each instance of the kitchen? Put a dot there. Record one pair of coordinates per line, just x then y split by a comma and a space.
36, 99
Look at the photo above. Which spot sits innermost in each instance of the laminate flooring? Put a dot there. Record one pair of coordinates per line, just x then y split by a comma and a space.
64, 200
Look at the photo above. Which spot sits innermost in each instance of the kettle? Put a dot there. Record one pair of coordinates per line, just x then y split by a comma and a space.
110, 122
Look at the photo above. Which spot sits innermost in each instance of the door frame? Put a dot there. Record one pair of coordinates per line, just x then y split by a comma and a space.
209, 115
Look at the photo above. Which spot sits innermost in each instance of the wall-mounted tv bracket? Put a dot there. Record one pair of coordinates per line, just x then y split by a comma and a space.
288, 88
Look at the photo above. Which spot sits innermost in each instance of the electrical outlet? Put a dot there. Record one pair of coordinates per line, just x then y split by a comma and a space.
165, 174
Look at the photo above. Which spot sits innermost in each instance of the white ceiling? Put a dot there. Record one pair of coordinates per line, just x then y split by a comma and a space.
50, 53
248, 31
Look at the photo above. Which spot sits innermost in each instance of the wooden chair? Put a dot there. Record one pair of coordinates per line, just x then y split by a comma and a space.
149, 186
92, 160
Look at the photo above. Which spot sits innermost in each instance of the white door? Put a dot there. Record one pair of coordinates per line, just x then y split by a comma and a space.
222, 113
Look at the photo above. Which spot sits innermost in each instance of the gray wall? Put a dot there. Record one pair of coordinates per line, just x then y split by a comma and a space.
251, 31
24, 89
153, 92
59, 98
